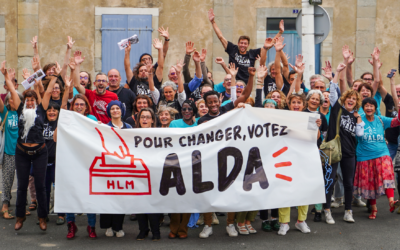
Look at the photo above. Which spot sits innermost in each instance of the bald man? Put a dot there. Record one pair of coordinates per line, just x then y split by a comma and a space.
126, 96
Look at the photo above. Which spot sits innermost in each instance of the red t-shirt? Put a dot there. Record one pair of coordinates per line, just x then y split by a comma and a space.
99, 104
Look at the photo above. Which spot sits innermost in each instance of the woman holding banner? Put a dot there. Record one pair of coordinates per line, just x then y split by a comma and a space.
147, 119
296, 102
31, 149
113, 222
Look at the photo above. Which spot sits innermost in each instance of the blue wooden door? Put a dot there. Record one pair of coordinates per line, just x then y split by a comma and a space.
118, 27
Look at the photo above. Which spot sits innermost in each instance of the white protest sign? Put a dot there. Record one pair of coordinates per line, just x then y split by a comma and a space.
131, 40
30, 81
245, 160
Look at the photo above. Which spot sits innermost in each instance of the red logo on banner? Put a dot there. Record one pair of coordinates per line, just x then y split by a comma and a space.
282, 164
114, 174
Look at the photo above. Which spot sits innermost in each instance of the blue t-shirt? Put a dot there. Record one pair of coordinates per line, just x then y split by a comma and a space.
219, 87
372, 144
11, 133
378, 99
75, 92
92, 117
181, 124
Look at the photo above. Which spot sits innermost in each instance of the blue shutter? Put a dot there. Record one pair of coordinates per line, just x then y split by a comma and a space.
118, 27
293, 48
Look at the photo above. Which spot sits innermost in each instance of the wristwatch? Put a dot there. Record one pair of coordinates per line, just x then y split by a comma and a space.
167, 39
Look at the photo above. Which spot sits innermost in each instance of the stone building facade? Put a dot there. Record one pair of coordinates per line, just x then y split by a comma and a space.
362, 24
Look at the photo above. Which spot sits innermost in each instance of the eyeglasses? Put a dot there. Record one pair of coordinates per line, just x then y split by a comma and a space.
227, 79
172, 73
187, 109
79, 104
56, 88
103, 81
147, 117
84, 77
142, 70
240, 86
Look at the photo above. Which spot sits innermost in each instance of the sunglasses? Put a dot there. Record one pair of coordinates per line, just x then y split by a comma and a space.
84, 77
173, 73
240, 86
187, 109
103, 81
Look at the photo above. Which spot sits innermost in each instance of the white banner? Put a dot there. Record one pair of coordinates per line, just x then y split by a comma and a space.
247, 159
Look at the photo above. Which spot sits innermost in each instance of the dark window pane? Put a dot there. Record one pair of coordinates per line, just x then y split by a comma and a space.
273, 23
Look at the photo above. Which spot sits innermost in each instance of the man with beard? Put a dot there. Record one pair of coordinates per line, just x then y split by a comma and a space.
31, 149
138, 77
98, 98
238, 54
126, 96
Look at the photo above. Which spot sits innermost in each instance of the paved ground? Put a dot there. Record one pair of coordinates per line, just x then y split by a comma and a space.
383, 233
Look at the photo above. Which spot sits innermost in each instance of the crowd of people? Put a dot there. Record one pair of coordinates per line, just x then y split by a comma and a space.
349, 111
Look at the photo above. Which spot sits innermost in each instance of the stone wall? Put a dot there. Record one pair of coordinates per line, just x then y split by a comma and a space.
363, 22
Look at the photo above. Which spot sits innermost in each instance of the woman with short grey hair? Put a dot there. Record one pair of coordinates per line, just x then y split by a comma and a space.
166, 115
173, 96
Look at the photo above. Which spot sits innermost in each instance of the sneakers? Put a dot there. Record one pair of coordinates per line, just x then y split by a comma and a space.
359, 202
207, 231
92, 232
231, 230
337, 203
242, 230
275, 224
328, 217
109, 232
72, 229
200, 221
266, 226
283, 229
251, 229
348, 216
215, 220
120, 233
303, 227
317, 217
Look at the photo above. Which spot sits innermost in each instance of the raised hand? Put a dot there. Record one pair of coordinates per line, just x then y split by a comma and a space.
252, 71
179, 65
34, 42
72, 63
233, 70
269, 43
379, 63
157, 44
299, 60
262, 72
203, 55
26, 73
299, 68
281, 26
376, 53
279, 44
11, 74
394, 74
70, 42
219, 60
68, 82
57, 70
211, 15
190, 48
221, 97
78, 57
149, 68
351, 58
340, 67
36, 64
346, 52
3, 68
164, 32
196, 56
328, 71
258, 58
287, 55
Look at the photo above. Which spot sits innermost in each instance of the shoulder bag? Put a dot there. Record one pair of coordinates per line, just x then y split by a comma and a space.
331, 151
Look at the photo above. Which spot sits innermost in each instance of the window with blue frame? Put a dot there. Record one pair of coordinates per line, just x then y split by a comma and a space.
292, 40
118, 27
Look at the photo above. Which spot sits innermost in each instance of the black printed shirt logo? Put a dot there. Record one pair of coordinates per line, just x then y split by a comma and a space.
348, 124
142, 90
242, 60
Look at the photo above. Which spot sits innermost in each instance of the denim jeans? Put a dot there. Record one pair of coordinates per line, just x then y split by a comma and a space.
91, 218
